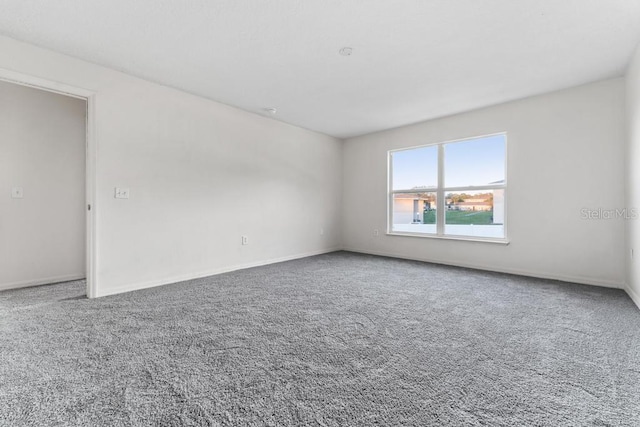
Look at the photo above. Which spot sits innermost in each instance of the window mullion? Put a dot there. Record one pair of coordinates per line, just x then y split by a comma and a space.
440, 202
390, 194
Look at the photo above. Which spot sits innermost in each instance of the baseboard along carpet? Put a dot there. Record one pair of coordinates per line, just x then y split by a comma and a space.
340, 339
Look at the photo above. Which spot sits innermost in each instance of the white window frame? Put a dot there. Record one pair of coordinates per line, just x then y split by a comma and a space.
441, 191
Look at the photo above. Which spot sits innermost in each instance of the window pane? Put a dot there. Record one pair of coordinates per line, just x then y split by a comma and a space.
414, 212
475, 162
416, 168
475, 213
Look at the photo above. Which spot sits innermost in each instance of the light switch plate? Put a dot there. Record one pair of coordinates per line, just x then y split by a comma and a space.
121, 193
17, 193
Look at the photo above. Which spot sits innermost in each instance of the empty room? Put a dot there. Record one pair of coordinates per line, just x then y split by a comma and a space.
320, 213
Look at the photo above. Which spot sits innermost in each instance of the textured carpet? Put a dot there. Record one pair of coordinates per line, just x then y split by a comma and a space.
334, 340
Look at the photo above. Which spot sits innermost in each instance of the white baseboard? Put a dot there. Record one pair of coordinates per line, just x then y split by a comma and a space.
536, 274
38, 282
191, 276
635, 297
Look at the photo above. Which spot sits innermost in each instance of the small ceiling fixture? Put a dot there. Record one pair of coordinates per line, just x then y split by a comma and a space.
346, 51
270, 110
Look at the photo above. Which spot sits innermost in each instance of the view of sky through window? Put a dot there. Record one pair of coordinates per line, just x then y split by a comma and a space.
475, 162
415, 168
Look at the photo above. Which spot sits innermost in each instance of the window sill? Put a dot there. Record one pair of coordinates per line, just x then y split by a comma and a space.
450, 237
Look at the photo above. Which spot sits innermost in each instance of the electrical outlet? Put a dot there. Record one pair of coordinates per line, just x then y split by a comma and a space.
322, 231
376, 232
121, 193
245, 240
17, 193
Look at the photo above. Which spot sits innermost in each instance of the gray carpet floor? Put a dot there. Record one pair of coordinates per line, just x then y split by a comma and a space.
334, 340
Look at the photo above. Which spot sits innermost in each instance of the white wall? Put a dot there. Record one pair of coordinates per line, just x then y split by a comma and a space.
565, 153
201, 174
42, 151
633, 175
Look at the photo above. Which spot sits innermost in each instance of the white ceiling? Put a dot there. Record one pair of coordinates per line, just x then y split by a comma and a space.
412, 59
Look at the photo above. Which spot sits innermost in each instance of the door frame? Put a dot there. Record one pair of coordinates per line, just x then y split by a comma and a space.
91, 160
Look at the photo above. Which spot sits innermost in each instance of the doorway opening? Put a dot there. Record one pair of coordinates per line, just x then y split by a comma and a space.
47, 174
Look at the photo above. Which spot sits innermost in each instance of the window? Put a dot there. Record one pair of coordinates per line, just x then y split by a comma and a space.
452, 189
